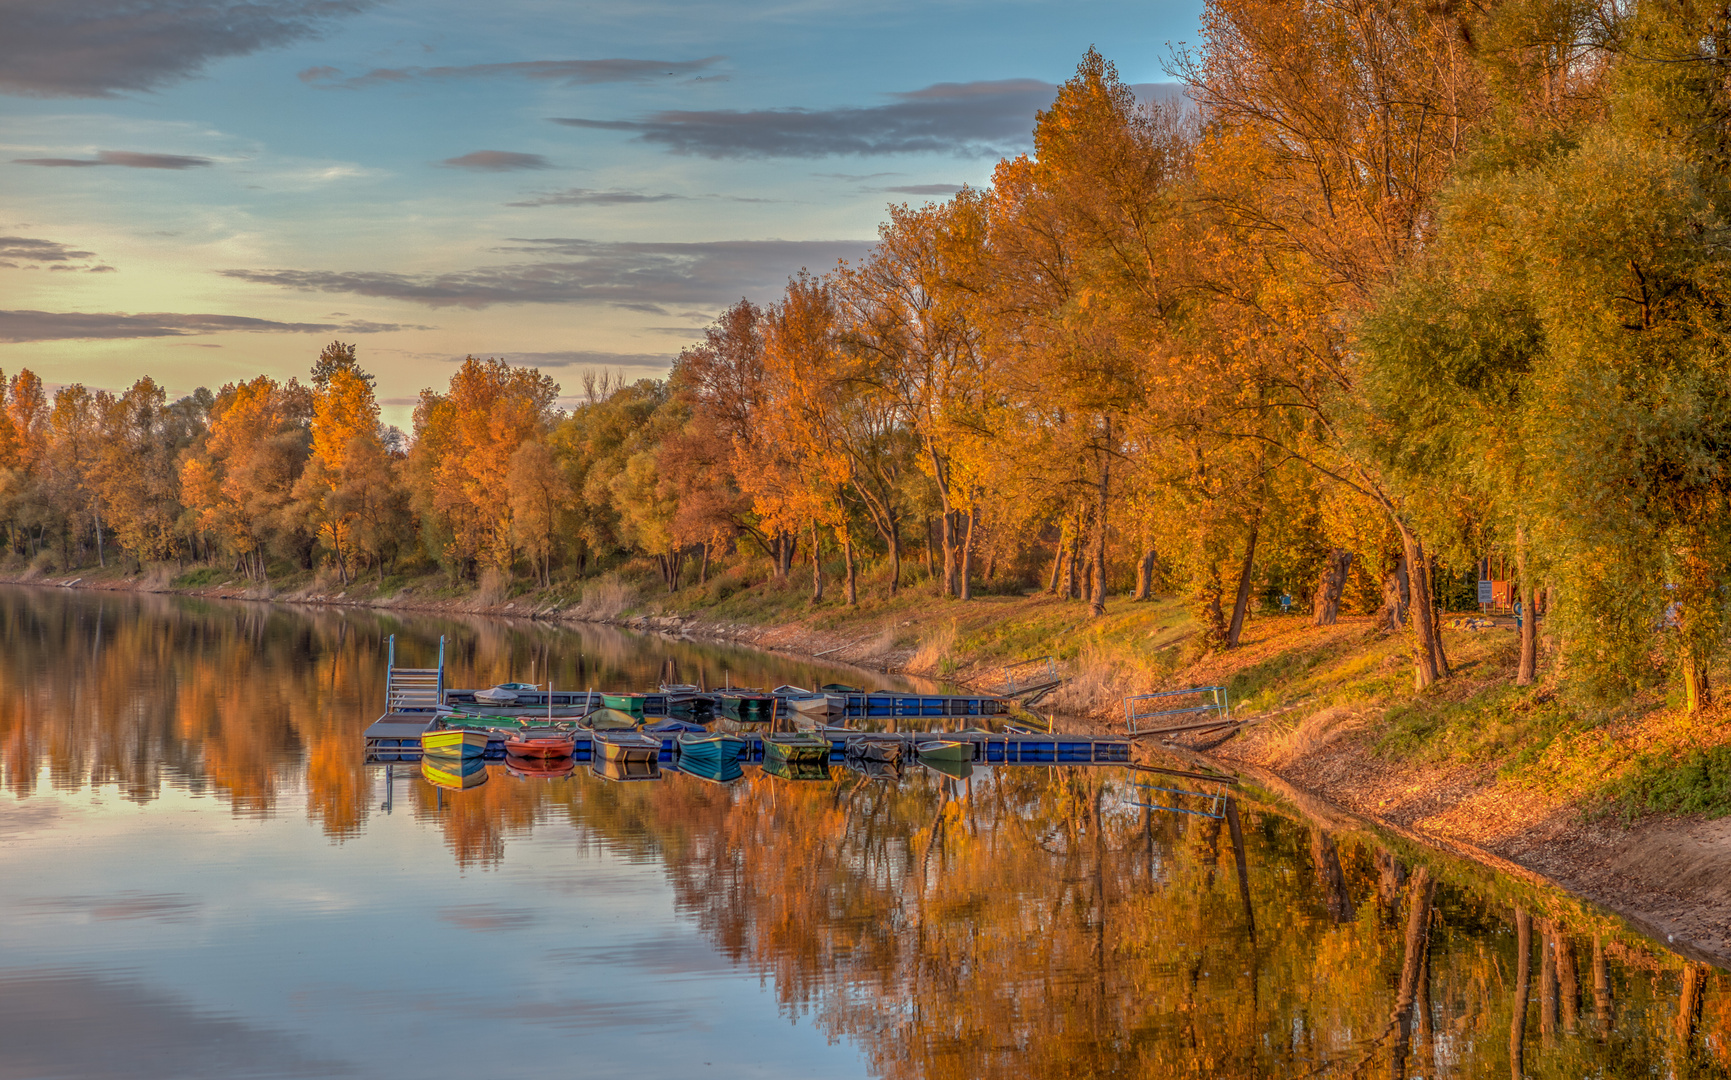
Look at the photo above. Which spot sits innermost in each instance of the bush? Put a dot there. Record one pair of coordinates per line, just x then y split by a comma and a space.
1700, 783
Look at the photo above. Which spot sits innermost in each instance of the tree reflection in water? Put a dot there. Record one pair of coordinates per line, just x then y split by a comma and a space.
1026, 922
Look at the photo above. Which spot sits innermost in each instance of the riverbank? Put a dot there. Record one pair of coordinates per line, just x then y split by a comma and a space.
1623, 806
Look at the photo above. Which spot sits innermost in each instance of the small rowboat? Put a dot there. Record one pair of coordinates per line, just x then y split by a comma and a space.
610, 720
696, 749
796, 748
540, 743
945, 750
626, 746
463, 742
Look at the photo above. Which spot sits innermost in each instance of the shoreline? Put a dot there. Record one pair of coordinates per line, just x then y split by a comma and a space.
1668, 877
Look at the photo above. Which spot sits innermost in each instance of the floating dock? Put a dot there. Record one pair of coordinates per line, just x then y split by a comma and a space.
398, 738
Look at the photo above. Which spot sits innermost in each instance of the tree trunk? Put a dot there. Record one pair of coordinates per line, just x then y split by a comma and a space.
1057, 565
1396, 597
895, 539
816, 567
1429, 664
1601, 989
1241, 603
1330, 876
1325, 607
965, 572
1145, 575
847, 553
948, 525
703, 566
1523, 988
101, 557
931, 573
1097, 601
1417, 950
1529, 661
1689, 1007
1072, 588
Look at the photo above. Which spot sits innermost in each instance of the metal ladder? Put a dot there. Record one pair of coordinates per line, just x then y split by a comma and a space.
414, 690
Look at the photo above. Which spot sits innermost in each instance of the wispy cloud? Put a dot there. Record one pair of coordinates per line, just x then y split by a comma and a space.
975, 119
126, 159
101, 48
585, 358
564, 270
562, 72
497, 161
28, 253
593, 197
923, 189
16, 326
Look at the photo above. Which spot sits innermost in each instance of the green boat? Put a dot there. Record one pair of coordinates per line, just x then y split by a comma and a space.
796, 748
945, 750
637, 704
704, 749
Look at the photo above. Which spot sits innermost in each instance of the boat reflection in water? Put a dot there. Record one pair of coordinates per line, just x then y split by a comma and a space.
540, 768
955, 770
794, 770
625, 769
714, 770
454, 772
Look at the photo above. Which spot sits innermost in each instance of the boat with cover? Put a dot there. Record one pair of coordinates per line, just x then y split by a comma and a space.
888, 751
540, 742
453, 772
461, 742
611, 720
796, 747
625, 746
709, 748
504, 693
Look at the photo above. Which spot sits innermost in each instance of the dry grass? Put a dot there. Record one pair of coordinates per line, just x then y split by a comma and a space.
157, 578
937, 648
1288, 745
603, 600
493, 588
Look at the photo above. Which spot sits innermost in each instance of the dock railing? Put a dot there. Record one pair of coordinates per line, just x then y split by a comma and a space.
414, 690
1177, 710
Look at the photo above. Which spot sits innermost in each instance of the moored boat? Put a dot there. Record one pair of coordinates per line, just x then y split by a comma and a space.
540, 742
709, 748
888, 751
464, 742
504, 693
625, 746
945, 750
611, 720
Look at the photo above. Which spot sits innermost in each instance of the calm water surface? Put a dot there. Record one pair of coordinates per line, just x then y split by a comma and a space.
201, 877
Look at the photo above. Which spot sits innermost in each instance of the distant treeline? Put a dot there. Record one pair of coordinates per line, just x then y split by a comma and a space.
1402, 286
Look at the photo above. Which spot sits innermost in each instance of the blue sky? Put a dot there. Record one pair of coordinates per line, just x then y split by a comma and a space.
202, 190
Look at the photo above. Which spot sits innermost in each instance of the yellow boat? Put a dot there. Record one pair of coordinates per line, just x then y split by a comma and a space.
468, 742
625, 746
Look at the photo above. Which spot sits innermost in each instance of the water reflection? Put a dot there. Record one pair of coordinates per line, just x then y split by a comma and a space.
1009, 922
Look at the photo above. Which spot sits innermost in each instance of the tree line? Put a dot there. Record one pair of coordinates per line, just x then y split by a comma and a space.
1399, 287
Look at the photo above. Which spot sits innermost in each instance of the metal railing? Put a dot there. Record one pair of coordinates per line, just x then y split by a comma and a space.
413, 690
1143, 713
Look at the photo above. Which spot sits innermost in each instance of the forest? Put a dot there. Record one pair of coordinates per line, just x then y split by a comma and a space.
1397, 288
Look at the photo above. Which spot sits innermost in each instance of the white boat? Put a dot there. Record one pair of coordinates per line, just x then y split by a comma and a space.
503, 694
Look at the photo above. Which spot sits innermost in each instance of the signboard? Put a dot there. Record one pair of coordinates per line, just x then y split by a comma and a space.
1484, 592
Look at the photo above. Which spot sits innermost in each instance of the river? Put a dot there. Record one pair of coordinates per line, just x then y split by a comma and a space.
202, 877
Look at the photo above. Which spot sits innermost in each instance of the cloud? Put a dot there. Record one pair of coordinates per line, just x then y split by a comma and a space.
23, 252
124, 158
592, 197
573, 270
976, 119
562, 72
16, 326
100, 48
497, 161
585, 358
924, 189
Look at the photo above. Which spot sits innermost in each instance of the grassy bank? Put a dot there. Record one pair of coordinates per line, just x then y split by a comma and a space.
1316, 695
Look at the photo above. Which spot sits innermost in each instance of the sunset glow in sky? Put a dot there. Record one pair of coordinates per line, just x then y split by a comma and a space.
201, 190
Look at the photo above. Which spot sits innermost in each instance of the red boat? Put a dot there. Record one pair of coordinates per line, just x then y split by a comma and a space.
539, 768
540, 743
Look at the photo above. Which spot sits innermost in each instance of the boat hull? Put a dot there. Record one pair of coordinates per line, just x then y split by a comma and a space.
709, 749
464, 742
539, 747
625, 747
801, 750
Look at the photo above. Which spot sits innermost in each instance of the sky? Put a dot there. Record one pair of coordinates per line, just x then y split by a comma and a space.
204, 190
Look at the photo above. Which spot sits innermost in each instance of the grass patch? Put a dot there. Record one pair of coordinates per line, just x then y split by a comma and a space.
200, 576
1698, 782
